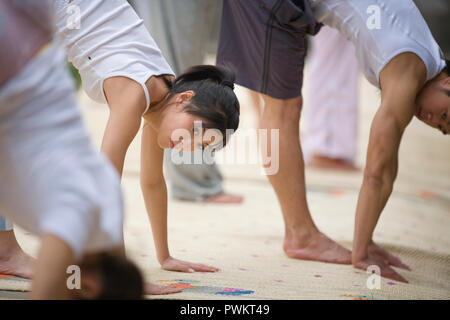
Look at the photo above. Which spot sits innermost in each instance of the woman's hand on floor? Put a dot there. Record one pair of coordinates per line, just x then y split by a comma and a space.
172, 264
153, 289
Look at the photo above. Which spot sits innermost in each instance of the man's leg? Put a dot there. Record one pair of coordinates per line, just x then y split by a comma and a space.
302, 238
13, 260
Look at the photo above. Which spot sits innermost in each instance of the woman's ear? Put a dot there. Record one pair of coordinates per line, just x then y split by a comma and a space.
185, 96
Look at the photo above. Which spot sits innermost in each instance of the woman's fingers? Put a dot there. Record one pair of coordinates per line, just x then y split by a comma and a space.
154, 289
203, 267
170, 290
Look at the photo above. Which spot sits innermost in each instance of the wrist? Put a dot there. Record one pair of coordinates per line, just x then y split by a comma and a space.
163, 258
359, 253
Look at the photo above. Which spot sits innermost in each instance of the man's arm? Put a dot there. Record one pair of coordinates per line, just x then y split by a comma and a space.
395, 113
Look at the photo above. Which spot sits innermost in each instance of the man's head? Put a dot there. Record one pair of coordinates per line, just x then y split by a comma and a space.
433, 102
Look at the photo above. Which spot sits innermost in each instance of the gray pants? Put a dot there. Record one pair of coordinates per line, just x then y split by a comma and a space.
185, 31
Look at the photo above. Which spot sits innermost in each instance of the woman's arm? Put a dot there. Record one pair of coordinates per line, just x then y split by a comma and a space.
155, 195
154, 189
126, 101
49, 281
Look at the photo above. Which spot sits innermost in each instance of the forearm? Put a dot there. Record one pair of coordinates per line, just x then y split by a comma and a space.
155, 196
49, 281
379, 176
373, 197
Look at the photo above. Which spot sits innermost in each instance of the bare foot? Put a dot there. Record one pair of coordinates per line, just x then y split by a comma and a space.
317, 247
153, 289
13, 260
322, 162
225, 198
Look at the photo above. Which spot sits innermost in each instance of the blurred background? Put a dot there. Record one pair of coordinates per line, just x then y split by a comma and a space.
437, 15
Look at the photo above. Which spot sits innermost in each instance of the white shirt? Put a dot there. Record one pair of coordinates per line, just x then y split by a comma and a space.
381, 30
111, 41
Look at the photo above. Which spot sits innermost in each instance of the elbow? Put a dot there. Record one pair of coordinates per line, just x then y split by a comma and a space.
377, 177
373, 178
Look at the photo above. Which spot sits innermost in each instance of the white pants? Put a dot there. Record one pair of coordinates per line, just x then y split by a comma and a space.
52, 178
331, 107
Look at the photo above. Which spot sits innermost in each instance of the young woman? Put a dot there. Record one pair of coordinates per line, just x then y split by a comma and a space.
121, 65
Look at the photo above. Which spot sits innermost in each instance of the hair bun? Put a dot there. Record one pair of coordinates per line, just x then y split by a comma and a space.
228, 83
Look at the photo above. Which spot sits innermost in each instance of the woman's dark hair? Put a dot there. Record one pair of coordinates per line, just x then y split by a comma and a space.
214, 99
120, 278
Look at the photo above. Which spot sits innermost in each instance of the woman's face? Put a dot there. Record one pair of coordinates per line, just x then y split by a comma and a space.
181, 130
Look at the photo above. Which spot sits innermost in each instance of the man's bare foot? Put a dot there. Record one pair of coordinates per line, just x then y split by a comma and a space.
13, 260
323, 162
317, 247
153, 289
225, 198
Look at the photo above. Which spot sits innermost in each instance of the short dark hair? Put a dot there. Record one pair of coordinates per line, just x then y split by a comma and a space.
120, 278
447, 71
214, 99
